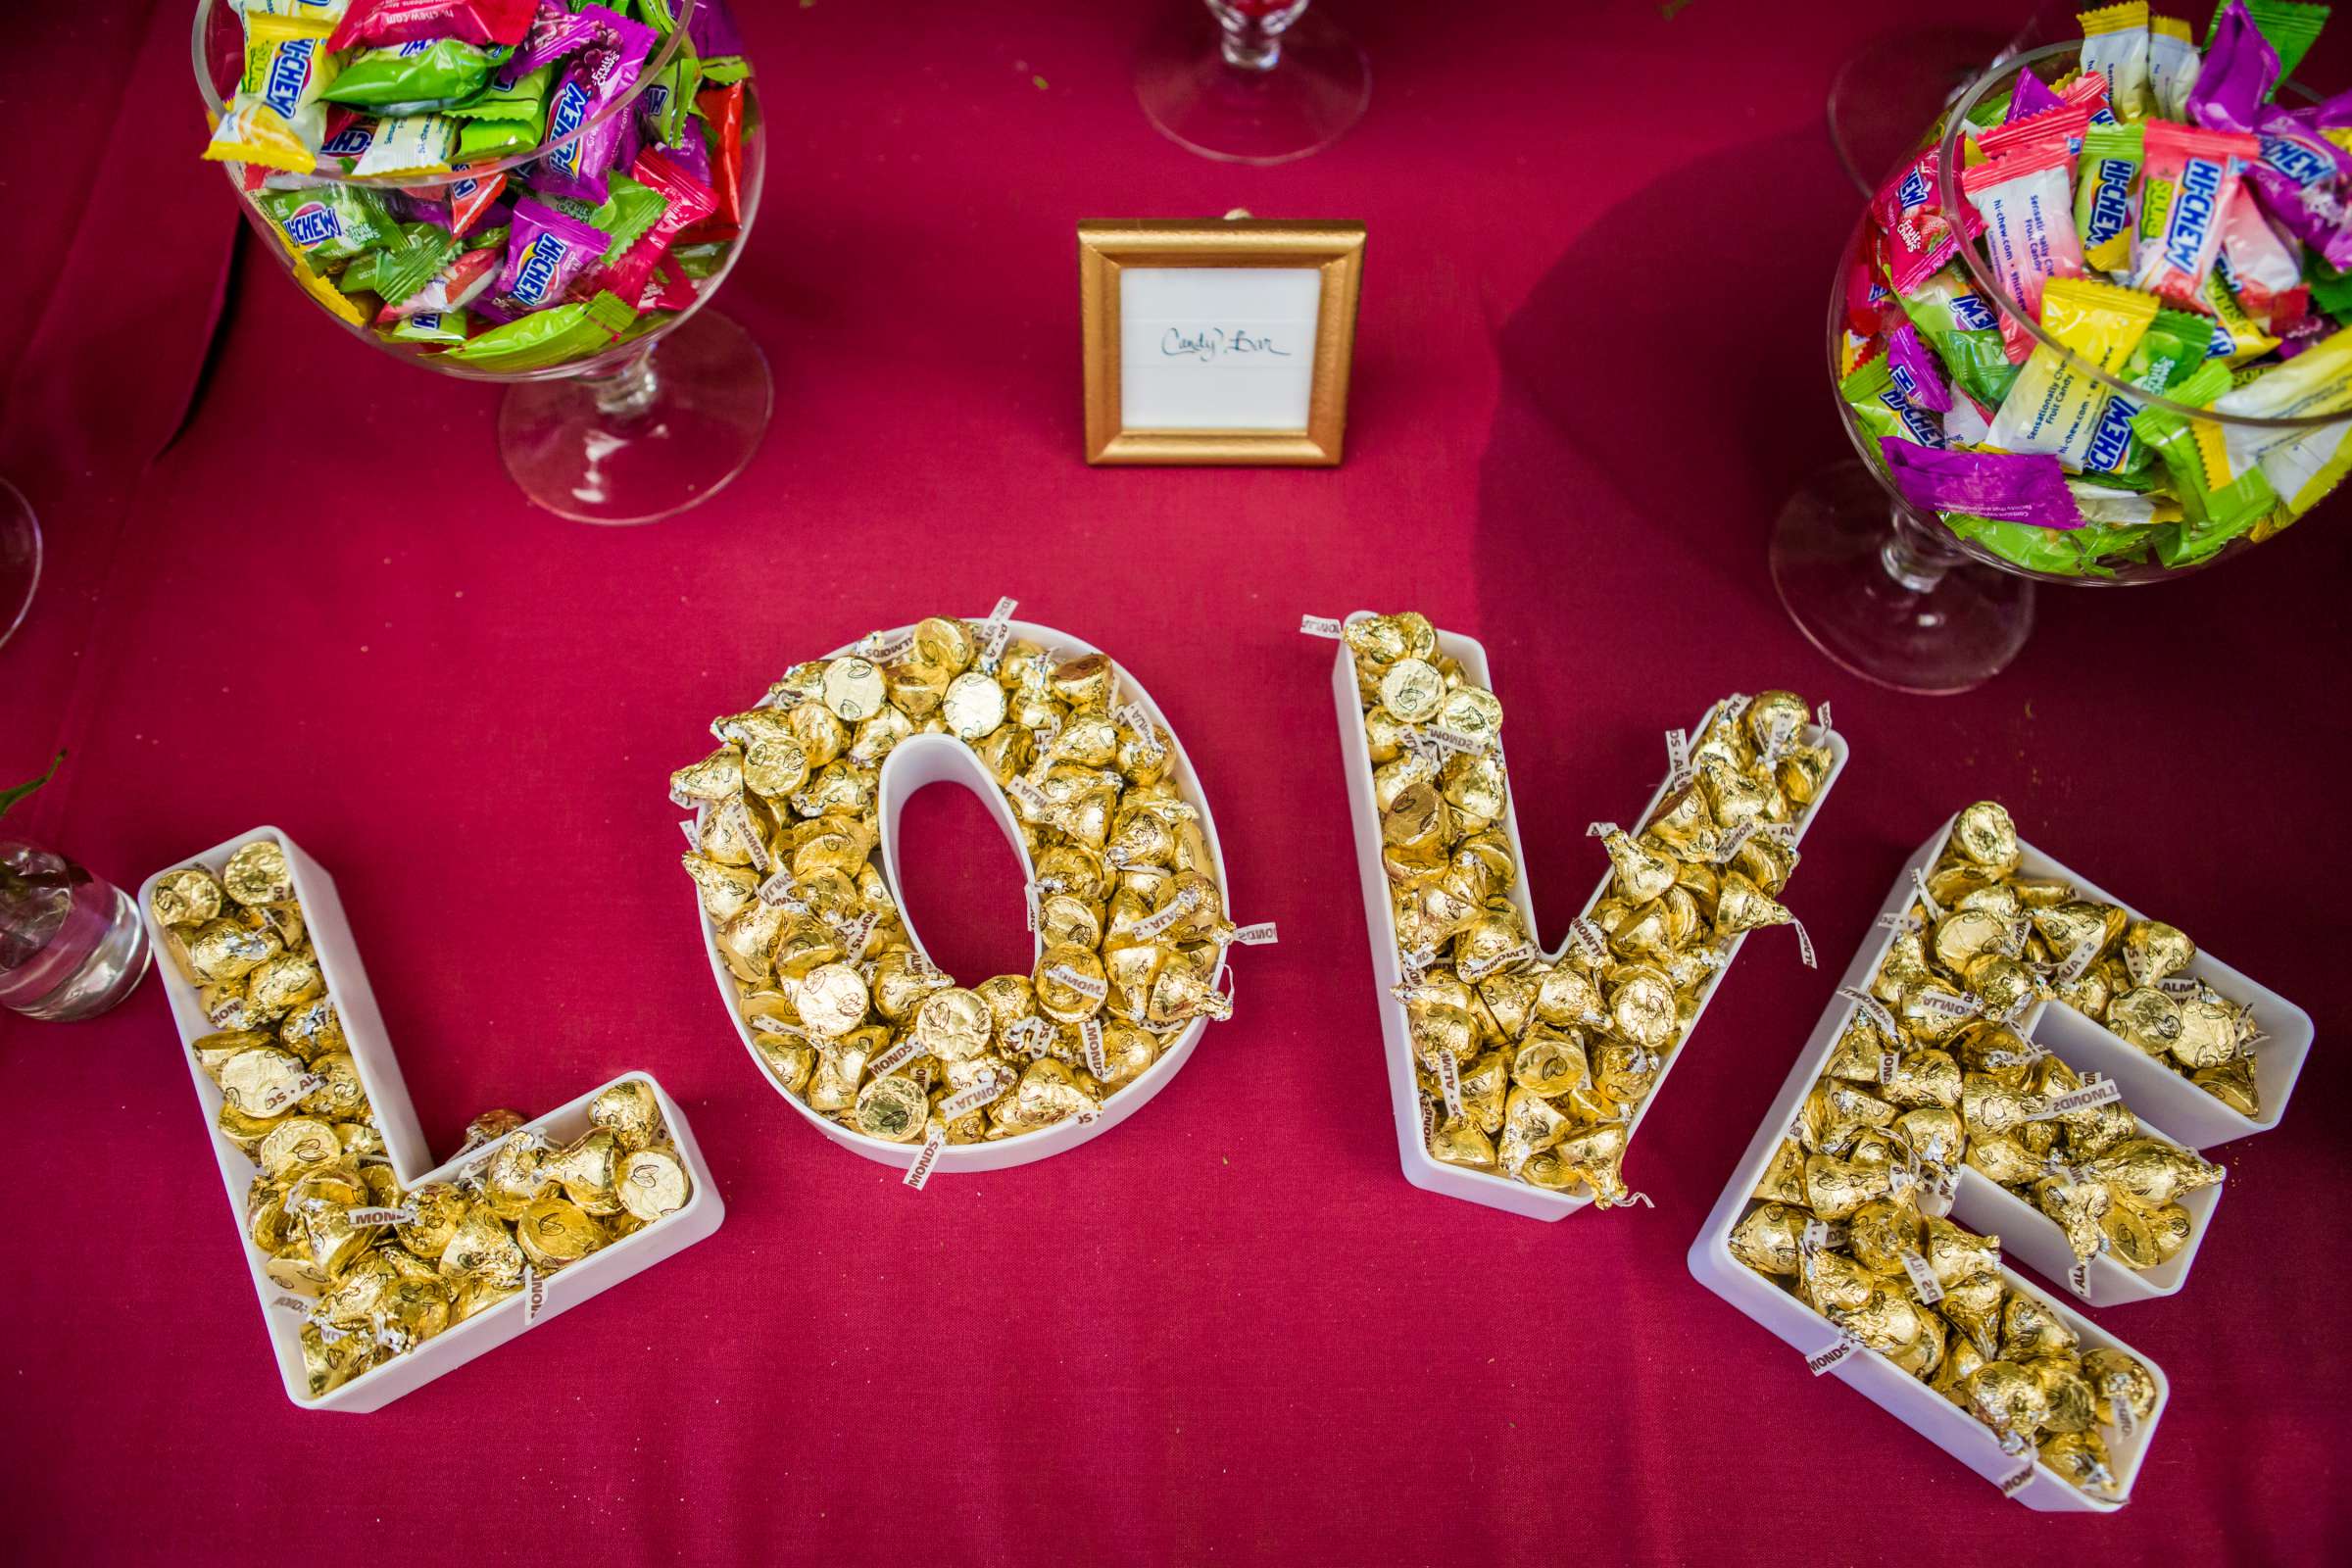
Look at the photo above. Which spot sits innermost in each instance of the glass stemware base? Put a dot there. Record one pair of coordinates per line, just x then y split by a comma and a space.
665, 432
1302, 97
1886, 596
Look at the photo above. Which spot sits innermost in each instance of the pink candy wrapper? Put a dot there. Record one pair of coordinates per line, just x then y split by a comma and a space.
2024, 488
1910, 211
2201, 169
556, 31
2260, 266
382, 24
2027, 203
1916, 374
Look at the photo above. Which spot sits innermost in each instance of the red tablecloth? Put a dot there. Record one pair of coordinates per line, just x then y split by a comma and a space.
1589, 372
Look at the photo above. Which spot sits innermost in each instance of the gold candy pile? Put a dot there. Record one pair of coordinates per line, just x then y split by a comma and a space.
1931, 1298
383, 1270
1534, 1068
847, 1016
1929, 1074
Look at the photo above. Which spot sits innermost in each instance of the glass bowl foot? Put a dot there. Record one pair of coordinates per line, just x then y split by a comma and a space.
663, 434
1315, 89
1886, 597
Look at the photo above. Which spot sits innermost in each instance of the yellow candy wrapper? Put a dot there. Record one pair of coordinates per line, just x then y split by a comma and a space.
2054, 408
2249, 340
2301, 464
276, 119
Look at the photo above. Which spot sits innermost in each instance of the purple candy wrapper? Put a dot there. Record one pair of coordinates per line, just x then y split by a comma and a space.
545, 252
2026, 487
601, 72
2300, 179
555, 32
1916, 374
2030, 96
711, 31
2240, 69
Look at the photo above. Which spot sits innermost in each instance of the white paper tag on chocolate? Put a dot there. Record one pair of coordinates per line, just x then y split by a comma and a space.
987, 1090
1820, 1233
1450, 1080
2078, 1278
1923, 1282
1086, 985
1821, 722
1601, 830
1183, 903
1588, 940
1821, 1361
1261, 935
1948, 1004
694, 839
995, 632
1029, 1036
897, 1056
1030, 798
1678, 759
1476, 971
1322, 627
2118, 1399
2016, 1480
534, 1296
1804, 944
290, 1303
380, 1216
926, 1157
1927, 900
2180, 985
2097, 1092
1090, 1035
279, 1099
1730, 845
1899, 920
887, 647
680, 798
1888, 1062
1881, 1017
737, 820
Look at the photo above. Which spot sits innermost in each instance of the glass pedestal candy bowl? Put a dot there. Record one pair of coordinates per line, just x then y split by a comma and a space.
1937, 602
614, 412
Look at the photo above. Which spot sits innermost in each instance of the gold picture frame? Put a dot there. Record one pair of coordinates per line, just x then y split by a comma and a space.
1107, 248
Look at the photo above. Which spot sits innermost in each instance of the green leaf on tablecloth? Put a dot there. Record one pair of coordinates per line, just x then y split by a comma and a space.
10, 797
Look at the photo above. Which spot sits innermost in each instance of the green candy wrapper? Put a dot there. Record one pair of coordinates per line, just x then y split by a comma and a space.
628, 210
330, 223
526, 100
479, 140
549, 337
410, 262
1959, 324
444, 72
1882, 411
698, 261
2084, 551
439, 327
2330, 290
2214, 517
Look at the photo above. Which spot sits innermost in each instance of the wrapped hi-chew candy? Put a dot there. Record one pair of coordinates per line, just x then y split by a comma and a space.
2290, 26
1881, 408
382, 23
2107, 195
2115, 43
1961, 325
276, 119
2191, 175
412, 76
2008, 487
2055, 407
722, 111
2239, 73
596, 77
2027, 203
1915, 371
548, 251
2174, 61
2317, 381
